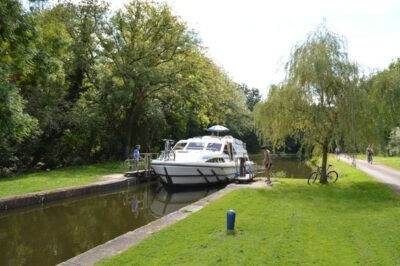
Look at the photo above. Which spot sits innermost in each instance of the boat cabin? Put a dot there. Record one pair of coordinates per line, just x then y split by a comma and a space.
212, 148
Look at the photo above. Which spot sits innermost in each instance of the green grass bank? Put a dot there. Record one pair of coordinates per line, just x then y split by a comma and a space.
352, 222
61, 178
393, 162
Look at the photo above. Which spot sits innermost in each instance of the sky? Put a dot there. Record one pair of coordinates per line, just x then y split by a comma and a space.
252, 40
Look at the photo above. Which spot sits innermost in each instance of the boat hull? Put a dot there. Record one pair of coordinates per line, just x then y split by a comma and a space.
178, 174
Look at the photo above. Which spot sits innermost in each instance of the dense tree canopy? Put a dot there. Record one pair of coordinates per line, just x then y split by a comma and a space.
80, 83
384, 97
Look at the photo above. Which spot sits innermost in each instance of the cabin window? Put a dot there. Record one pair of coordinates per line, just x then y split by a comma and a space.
214, 146
216, 160
195, 146
180, 146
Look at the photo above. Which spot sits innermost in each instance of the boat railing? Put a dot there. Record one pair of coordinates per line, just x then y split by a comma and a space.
168, 155
245, 168
142, 163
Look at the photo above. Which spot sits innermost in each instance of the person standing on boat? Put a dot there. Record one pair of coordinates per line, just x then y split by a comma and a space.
136, 157
267, 164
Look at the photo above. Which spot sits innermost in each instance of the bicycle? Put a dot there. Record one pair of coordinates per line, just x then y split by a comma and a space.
370, 160
331, 176
168, 153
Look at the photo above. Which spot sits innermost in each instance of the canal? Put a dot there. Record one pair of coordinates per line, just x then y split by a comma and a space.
55, 232
285, 166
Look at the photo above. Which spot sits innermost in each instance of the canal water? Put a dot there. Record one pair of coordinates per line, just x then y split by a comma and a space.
55, 232
285, 166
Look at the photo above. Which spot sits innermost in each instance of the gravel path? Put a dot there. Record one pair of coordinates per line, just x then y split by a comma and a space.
383, 174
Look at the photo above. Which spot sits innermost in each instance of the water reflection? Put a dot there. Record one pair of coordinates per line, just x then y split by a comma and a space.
288, 166
166, 202
53, 233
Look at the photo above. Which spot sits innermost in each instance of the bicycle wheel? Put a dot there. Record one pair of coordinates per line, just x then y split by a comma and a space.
171, 155
332, 176
312, 178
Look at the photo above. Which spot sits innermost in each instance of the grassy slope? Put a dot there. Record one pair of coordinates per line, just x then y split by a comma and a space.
66, 177
352, 222
393, 162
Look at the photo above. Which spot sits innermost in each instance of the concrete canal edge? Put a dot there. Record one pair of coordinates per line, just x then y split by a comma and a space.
36, 198
127, 240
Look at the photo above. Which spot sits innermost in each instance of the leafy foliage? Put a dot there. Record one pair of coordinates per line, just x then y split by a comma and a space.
15, 123
252, 95
97, 82
316, 96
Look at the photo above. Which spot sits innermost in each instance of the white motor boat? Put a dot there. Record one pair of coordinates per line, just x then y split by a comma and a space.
203, 160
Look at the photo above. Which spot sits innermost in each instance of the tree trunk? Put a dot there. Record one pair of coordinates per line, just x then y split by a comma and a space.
129, 131
323, 179
128, 143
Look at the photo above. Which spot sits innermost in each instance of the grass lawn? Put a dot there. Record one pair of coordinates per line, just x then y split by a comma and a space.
65, 177
353, 222
393, 162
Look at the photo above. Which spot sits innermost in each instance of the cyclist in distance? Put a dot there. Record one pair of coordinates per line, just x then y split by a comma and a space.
370, 152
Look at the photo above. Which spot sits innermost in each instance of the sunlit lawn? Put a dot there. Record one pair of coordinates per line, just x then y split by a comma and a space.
61, 178
388, 161
355, 221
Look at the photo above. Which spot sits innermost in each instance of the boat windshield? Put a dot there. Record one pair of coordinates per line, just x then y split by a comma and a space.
195, 146
180, 146
214, 146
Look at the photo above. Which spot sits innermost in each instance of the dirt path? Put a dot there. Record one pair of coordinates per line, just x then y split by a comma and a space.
380, 172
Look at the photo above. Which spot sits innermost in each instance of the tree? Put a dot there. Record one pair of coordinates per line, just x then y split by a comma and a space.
316, 97
95, 82
384, 97
252, 95
61, 72
393, 146
144, 44
15, 123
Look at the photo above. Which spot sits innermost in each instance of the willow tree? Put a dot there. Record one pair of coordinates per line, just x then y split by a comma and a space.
384, 94
315, 102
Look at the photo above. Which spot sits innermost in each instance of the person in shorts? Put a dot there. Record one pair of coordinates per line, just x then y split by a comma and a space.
267, 164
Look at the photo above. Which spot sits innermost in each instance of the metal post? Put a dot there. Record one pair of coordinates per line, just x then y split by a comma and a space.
230, 221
